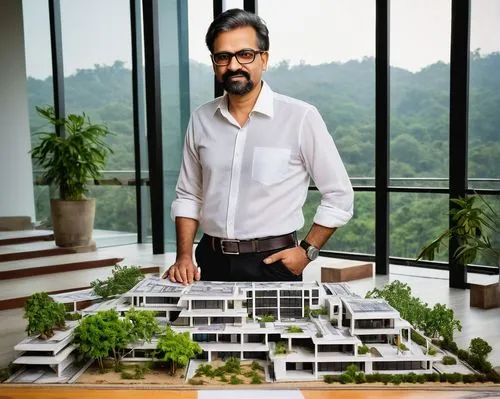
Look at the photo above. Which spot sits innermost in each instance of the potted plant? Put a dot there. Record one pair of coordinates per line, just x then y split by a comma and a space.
475, 220
69, 162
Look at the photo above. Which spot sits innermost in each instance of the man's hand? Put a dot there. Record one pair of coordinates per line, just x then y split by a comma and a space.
182, 271
294, 259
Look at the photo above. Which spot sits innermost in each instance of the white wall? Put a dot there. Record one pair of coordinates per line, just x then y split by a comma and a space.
16, 180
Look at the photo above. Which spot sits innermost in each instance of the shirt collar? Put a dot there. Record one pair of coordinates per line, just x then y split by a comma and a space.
264, 104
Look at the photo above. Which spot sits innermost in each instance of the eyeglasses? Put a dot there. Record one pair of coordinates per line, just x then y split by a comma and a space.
245, 56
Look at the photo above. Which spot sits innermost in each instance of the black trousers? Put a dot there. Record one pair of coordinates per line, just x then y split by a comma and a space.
216, 266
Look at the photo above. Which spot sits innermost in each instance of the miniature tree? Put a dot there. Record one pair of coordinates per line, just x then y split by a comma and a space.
480, 347
176, 348
143, 325
123, 279
43, 315
440, 321
101, 335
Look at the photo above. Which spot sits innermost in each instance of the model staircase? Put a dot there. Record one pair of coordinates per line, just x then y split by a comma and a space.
30, 262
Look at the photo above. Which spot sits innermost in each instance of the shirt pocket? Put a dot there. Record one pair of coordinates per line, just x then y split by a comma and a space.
270, 165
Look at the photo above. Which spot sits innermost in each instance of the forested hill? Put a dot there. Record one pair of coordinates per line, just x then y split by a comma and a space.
344, 93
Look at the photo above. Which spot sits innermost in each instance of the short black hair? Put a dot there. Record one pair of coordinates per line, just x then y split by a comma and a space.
237, 18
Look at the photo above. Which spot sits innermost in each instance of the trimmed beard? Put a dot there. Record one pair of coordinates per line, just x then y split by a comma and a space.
236, 87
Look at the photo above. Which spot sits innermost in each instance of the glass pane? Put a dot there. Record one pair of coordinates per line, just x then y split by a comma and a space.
416, 220
201, 76
419, 90
325, 64
484, 101
97, 60
491, 206
39, 86
358, 236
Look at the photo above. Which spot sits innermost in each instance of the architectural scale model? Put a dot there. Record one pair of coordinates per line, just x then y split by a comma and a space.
226, 320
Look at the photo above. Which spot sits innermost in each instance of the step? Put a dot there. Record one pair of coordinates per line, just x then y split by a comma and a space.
54, 264
39, 249
14, 292
24, 236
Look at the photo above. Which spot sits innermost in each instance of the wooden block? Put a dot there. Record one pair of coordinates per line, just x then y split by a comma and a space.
11, 223
485, 296
346, 271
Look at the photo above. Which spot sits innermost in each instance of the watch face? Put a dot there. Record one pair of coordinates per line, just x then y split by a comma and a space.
312, 253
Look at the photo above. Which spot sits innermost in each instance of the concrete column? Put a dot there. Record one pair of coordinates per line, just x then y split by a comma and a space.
290, 344
16, 175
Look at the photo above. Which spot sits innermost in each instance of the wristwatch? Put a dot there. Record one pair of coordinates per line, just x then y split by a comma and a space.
311, 251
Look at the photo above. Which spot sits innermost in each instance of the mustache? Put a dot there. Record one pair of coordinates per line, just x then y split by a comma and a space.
228, 74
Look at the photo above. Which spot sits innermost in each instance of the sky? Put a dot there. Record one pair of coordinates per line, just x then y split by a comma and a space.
98, 31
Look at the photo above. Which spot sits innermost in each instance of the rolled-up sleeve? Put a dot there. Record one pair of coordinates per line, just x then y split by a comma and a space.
322, 161
188, 190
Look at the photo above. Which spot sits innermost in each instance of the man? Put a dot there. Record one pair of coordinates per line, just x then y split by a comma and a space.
247, 162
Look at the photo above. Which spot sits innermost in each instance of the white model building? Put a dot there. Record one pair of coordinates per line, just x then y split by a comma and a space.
225, 319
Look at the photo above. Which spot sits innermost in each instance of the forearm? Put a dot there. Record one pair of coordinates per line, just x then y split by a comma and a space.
185, 229
318, 235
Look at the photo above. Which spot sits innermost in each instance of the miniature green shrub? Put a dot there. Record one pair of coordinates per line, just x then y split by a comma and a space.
124, 278
294, 329
321, 311
192, 381
257, 366
402, 347
469, 378
396, 379
360, 378
453, 378
235, 380
479, 347
223, 378
363, 349
431, 351
385, 378
421, 379
417, 338
410, 378
256, 379
463, 355
346, 379
268, 318
232, 365
330, 379
280, 348
449, 360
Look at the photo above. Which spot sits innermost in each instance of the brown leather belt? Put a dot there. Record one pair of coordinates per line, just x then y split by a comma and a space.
235, 247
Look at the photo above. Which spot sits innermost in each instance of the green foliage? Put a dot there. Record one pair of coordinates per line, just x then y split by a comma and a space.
143, 325
193, 381
472, 224
294, 329
480, 347
363, 349
416, 337
204, 369
268, 318
176, 348
70, 162
43, 314
123, 279
436, 322
463, 355
402, 347
234, 380
307, 312
330, 379
101, 335
257, 366
72, 316
232, 365
346, 379
321, 311
469, 378
449, 360
479, 363
396, 379
453, 378
431, 351
255, 379
281, 348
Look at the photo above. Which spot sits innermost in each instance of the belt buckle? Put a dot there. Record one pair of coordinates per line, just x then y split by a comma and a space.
222, 242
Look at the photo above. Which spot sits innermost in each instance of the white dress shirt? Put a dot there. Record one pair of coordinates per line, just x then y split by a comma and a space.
251, 181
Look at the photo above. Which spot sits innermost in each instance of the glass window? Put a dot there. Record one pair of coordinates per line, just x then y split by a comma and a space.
484, 85
318, 65
98, 81
416, 220
39, 86
419, 92
356, 236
